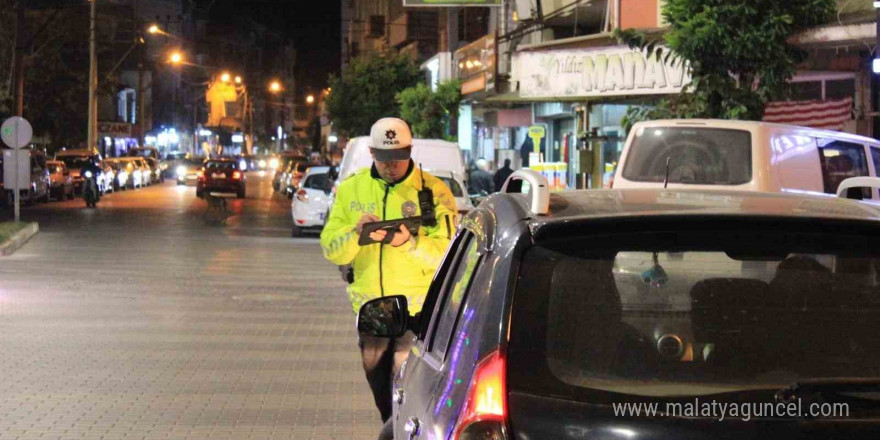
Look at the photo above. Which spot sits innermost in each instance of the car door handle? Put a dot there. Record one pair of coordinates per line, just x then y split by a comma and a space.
399, 395
413, 428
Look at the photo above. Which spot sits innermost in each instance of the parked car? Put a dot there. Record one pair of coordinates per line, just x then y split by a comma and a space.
311, 201
143, 169
221, 175
282, 167
129, 172
61, 184
156, 174
75, 159
188, 170
115, 173
550, 312
38, 185
744, 155
292, 176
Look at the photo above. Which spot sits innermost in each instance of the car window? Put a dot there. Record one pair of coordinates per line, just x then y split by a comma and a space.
319, 182
220, 166
453, 186
700, 156
840, 161
436, 287
696, 310
455, 291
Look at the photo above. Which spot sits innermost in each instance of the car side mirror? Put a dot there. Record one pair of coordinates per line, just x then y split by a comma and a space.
384, 317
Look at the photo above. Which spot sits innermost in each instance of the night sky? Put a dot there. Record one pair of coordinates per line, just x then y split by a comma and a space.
314, 26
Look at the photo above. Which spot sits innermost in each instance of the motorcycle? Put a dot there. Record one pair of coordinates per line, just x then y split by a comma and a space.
90, 189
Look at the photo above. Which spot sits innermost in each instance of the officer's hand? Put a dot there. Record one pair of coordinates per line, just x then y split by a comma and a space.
366, 218
401, 236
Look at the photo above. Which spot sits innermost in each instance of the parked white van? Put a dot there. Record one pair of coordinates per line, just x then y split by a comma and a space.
433, 154
744, 155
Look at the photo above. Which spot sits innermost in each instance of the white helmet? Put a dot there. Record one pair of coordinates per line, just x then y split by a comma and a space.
391, 140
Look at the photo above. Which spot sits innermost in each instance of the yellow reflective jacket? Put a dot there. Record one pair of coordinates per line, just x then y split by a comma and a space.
381, 269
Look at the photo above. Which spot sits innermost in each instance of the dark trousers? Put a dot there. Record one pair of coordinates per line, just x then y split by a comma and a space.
382, 358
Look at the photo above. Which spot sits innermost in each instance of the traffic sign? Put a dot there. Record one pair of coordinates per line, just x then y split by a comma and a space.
16, 132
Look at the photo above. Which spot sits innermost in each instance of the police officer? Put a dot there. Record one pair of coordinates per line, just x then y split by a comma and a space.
389, 190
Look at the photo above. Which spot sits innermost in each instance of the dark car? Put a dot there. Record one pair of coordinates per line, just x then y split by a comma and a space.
221, 175
561, 320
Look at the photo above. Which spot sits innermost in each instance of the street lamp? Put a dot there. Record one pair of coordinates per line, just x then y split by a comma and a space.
237, 79
310, 99
175, 58
154, 29
224, 77
275, 87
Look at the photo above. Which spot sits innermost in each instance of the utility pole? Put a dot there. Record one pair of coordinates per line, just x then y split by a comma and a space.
92, 141
141, 95
18, 64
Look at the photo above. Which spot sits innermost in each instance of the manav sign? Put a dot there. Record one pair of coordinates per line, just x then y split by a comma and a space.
610, 71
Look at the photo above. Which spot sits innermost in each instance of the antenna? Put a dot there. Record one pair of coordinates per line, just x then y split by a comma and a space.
666, 179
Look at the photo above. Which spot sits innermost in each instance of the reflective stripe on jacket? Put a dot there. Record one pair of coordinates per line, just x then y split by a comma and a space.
381, 269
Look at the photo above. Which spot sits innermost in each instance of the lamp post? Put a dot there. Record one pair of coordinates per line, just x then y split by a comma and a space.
275, 88
93, 78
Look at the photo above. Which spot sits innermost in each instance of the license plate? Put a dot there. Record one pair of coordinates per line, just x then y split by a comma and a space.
218, 176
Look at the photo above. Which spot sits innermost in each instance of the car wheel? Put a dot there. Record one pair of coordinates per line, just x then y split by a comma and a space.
199, 194
296, 231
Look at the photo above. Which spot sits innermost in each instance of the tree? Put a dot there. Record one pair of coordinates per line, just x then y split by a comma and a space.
737, 53
431, 114
366, 91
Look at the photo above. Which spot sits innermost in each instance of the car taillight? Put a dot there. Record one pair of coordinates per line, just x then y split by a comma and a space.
484, 415
201, 173
236, 175
302, 196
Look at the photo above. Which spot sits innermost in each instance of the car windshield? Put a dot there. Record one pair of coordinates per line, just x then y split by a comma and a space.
75, 161
319, 182
686, 314
700, 156
453, 186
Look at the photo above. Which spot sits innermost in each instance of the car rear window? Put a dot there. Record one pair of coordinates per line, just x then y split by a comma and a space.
696, 311
319, 182
216, 165
699, 156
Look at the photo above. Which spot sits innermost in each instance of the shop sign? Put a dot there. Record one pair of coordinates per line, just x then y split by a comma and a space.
603, 72
537, 132
408, 3
474, 85
114, 129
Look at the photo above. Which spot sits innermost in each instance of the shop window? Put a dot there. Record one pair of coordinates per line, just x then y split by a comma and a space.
806, 91
840, 161
840, 88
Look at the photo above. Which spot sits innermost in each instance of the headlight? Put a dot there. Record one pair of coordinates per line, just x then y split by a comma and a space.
88, 174
273, 163
262, 164
181, 171
243, 165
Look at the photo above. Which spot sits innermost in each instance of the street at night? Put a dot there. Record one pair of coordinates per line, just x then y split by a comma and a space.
146, 319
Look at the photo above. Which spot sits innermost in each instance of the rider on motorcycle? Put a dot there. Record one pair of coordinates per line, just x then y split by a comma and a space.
95, 169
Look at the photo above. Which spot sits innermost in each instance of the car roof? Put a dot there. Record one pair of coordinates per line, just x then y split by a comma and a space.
752, 126
585, 204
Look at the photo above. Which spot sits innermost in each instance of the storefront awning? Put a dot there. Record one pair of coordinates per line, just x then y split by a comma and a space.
514, 97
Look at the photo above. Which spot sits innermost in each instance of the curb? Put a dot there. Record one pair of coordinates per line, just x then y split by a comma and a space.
19, 239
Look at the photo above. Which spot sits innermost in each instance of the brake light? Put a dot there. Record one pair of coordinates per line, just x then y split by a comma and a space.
484, 414
302, 196
236, 175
